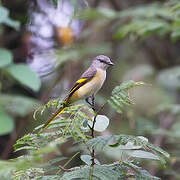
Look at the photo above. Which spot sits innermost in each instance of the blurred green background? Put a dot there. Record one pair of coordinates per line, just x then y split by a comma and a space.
45, 46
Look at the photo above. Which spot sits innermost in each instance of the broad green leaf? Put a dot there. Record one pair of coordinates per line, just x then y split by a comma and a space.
99, 173
23, 74
101, 123
5, 57
12, 23
4, 18
139, 173
142, 154
103, 142
87, 159
148, 11
129, 145
19, 105
3, 14
6, 123
98, 13
143, 138
107, 12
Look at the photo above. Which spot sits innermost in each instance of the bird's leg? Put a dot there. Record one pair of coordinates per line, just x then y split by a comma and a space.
92, 103
88, 100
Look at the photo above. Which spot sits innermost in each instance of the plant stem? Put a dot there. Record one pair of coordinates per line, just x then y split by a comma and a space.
91, 172
63, 167
92, 135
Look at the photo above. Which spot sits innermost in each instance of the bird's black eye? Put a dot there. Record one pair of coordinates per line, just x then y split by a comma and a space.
101, 60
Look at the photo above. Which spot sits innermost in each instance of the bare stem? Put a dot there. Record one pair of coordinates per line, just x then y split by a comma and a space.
63, 167
92, 135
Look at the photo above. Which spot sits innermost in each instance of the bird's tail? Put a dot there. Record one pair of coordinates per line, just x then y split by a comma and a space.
57, 113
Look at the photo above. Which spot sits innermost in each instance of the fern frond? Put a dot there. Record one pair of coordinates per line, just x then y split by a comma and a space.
69, 125
120, 95
31, 173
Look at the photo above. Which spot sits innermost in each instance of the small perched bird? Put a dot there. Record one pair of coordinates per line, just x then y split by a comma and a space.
87, 86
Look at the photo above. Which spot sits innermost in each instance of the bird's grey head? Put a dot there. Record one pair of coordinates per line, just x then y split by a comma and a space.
102, 62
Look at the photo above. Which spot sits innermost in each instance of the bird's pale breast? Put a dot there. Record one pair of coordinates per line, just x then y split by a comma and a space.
93, 86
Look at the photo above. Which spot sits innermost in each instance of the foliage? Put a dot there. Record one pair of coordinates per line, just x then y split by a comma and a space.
141, 21
5, 19
136, 146
155, 116
120, 95
6, 123
73, 124
20, 74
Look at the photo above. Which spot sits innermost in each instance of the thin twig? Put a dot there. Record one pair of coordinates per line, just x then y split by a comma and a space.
92, 132
63, 167
68, 170
92, 135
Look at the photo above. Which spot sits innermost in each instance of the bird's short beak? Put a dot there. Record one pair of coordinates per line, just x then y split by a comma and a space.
111, 64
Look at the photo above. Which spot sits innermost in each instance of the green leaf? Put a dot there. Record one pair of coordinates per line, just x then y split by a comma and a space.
6, 123
3, 14
139, 173
129, 145
87, 159
99, 173
103, 142
30, 173
23, 74
12, 23
142, 154
5, 57
19, 105
4, 18
98, 13
101, 123
146, 20
107, 13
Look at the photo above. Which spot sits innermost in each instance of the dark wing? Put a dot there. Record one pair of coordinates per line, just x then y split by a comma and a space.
85, 77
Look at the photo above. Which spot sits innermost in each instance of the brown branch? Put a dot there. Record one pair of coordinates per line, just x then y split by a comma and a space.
92, 135
68, 170
92, 132
92, 152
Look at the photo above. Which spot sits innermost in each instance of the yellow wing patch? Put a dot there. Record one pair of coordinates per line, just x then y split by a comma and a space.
80, 81
77, 83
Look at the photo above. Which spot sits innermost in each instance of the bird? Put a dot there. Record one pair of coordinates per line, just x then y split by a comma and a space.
86, 86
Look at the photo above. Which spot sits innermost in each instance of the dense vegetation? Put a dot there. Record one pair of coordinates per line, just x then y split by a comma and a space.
135, 131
